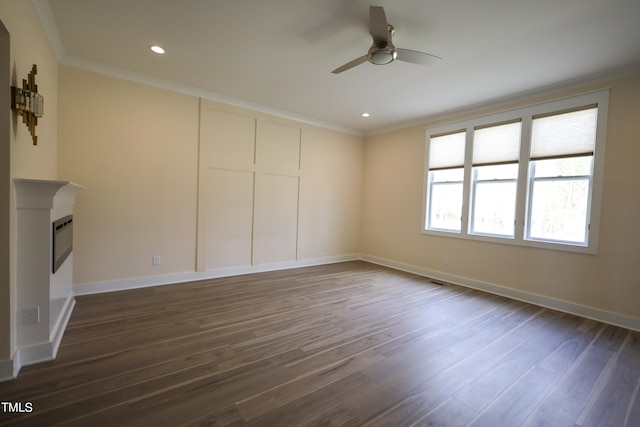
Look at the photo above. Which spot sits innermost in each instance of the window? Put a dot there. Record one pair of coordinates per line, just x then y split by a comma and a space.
530, 176
496, 151
446, 169
562, 147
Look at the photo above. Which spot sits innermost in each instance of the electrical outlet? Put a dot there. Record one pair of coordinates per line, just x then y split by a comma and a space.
31, 316
155, 260
445, 260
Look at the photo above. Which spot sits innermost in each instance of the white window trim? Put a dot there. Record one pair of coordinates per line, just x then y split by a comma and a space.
431, 185
474, 184
526, 113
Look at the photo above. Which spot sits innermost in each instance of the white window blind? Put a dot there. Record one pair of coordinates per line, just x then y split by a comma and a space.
497, 144
447, 151
567, 134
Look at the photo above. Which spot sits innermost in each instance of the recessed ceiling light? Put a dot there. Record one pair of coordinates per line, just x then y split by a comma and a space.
365, 114
157, 49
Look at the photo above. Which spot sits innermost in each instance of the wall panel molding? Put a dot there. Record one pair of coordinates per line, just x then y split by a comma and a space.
249, 189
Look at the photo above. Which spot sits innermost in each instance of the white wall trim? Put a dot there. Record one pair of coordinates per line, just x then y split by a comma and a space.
55, 337
540, 300
144, 282
9, 369
41, 352
48, 22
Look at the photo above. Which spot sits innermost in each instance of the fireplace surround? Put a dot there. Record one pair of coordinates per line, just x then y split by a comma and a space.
44, 271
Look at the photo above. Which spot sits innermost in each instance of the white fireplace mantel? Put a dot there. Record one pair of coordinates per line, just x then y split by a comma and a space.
38, 204
43, 194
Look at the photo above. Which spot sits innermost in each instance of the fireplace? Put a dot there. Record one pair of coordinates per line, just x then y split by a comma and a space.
44, 243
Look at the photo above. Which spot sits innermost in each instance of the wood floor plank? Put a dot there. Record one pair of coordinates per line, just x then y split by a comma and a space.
322, 406
614, 396
633, 411
172, 402
229, 416
259, 404
422, 391
565, 402
116, 381
351, 344
405, 407
451, 413
513, 406
484, 389
462, 369
110, 366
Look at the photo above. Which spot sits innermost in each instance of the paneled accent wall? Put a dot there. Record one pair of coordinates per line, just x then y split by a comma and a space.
200, 185
249, 182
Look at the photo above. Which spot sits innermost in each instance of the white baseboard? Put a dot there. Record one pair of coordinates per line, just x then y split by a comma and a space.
55, 337
143, 282
41, 352
543, 301
9, 369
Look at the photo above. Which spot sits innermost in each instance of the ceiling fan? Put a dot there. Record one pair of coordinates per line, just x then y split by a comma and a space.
382, 51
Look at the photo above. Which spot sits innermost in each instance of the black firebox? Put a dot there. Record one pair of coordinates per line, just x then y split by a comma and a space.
62, 241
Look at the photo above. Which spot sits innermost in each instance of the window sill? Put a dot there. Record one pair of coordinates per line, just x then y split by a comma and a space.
565, 247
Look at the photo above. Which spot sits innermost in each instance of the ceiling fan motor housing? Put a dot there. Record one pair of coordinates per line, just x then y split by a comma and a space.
382, 55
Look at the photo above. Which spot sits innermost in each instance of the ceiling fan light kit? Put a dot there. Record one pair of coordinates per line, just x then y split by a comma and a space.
381, 56
382, 51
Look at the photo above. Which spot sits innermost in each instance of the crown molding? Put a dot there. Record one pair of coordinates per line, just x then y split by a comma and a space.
48, 22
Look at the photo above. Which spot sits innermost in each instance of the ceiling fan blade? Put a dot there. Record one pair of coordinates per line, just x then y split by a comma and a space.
416, 57
351, 64
378, 25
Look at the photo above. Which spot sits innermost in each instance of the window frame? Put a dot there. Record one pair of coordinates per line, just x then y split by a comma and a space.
530, 196
524, 185
473, 205
442, 183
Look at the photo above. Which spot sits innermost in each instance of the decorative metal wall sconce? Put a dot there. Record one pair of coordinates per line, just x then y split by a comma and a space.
28, 103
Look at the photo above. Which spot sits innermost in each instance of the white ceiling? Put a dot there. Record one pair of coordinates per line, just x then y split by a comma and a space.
278, 55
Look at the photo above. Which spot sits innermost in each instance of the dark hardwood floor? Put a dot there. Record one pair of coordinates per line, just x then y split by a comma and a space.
344, 344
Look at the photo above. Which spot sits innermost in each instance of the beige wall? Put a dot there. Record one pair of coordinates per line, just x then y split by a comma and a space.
607, 281
28, 46
135, 148
331, 193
